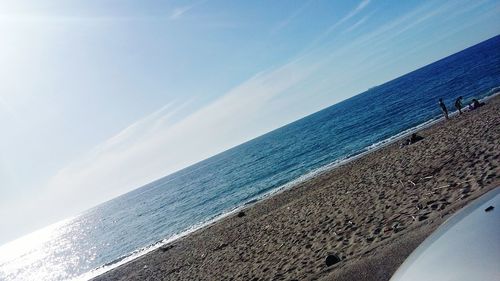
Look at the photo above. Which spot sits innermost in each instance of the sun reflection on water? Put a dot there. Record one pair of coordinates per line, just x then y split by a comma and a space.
37, 256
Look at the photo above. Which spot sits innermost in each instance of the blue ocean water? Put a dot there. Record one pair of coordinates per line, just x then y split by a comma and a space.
141, 220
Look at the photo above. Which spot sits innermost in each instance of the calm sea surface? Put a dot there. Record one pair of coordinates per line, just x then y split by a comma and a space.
143, 219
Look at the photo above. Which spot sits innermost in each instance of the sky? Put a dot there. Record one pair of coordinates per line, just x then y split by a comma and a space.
99, 97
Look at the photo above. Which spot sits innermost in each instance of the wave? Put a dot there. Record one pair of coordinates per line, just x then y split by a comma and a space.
491, 93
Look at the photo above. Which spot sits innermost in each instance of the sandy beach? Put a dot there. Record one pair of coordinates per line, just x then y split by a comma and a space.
370, 213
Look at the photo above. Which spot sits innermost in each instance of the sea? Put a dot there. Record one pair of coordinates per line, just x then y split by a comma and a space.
150, 216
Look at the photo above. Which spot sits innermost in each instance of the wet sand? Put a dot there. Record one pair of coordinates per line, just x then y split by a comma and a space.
371, 213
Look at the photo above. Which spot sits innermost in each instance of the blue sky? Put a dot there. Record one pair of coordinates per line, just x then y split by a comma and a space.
100, 97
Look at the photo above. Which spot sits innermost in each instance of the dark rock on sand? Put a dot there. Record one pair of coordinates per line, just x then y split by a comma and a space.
221, 246
241, 214
422, 217
332, 259
166, 248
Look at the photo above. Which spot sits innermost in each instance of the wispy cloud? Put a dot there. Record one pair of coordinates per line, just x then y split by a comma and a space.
347, 17
415, 19
360, 7
370, 45
291, 17
358, 23
156, 145
178, 12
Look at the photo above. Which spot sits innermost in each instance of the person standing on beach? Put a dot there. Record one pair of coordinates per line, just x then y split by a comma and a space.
458, 104
443, 108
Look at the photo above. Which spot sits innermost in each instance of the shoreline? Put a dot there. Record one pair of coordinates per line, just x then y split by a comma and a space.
274, 192
125, 270
323, 169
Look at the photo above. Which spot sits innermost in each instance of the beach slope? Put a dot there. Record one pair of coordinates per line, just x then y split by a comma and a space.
370, 213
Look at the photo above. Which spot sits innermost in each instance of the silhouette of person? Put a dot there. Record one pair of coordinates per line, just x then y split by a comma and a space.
475, 104
413, 139
458, 104
443, 108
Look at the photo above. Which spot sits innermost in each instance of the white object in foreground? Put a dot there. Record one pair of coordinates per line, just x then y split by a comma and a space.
465, 247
